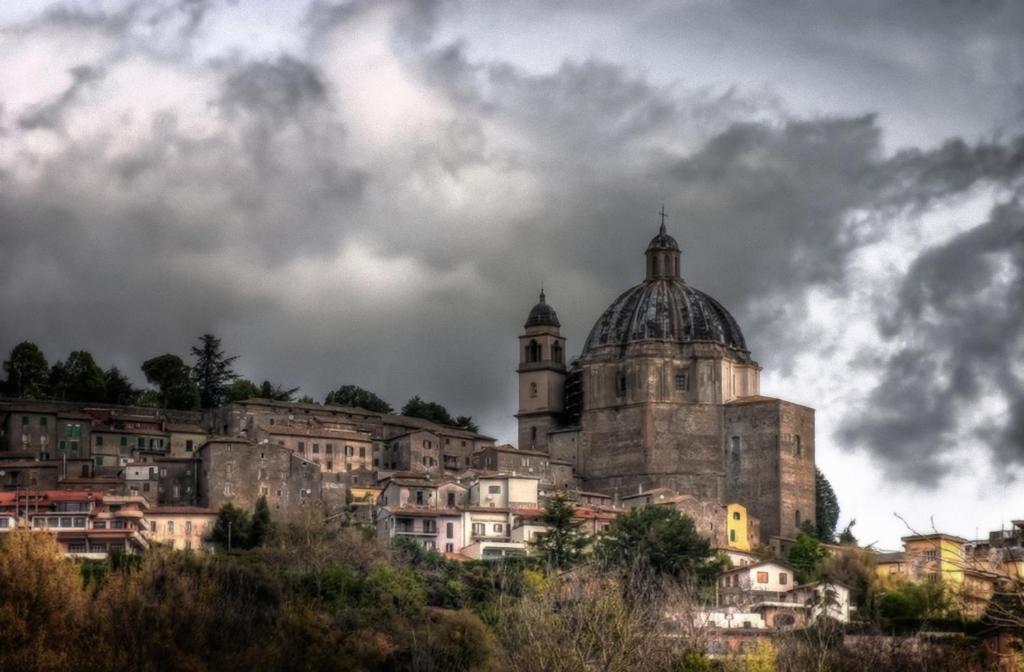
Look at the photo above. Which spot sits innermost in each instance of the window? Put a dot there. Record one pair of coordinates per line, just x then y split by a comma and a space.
494, 489
796, 517
99, 441
170, 527
449, 530
189, 446
102, 525
362, 451
762, 577
736, 446
620, 384
302, 446
783, 578
124, 441
682, 384
449, 548
451, 501
556, 353
329, 449
533, 390
24, 421
44, 422
140, 442
76, 547
498, 528
419, 496
533, 352
732, 535
316, 448
348, 451
478, 528
797, 450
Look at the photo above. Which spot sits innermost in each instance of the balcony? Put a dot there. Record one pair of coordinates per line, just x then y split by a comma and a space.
411, 532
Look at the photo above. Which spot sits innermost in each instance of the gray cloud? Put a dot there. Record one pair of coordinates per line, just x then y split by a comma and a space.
328, 243
959, 328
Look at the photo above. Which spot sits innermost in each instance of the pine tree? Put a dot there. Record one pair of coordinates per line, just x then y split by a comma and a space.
826, 507
562, 543
261, 526
212, 371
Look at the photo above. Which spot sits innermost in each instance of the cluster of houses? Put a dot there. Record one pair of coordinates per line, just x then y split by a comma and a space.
106, 478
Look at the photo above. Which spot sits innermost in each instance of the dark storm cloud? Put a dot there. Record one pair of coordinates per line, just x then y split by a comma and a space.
250, 209
959, 325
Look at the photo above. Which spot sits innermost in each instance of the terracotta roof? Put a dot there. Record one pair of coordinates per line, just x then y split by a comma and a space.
148, 431
412, 482
49, 496
314, 432
181, 510
744, 568
422, 513
184, 428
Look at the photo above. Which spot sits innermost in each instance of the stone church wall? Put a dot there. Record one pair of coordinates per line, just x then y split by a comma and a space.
763, 470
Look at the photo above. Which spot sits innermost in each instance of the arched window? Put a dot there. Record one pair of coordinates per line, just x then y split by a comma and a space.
533, 352
556, 353
796, 517
533, 390
620, 384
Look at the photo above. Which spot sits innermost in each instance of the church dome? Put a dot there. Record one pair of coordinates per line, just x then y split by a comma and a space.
665, 309
542, 315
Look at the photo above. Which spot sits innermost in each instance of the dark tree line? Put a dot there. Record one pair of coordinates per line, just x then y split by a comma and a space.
208, 382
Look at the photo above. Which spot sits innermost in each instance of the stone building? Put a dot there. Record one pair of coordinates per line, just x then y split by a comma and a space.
665, 394
239, 472
448, 449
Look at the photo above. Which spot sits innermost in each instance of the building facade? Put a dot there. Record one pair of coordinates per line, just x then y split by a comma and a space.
665, 394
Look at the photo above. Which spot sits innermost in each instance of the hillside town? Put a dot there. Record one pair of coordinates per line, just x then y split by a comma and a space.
660, 423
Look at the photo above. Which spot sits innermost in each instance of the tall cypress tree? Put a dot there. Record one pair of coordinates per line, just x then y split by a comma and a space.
826, 509
212, 371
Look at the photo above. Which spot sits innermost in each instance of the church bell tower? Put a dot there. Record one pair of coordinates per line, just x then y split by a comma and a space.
541, 376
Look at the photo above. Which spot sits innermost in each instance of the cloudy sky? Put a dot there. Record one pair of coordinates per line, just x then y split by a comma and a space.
372, 193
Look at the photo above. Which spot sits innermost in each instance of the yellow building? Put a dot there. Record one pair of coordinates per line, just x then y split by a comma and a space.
940, 557
736, 527
180, 527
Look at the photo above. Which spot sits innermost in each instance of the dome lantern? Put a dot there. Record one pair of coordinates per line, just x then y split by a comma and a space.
662, 254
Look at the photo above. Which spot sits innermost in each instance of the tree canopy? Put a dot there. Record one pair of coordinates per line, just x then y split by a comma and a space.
658, 538
428, 410
826, 509
807, 556
77, 379
357, 397
27, 372
212, 371
174, 380
562, 543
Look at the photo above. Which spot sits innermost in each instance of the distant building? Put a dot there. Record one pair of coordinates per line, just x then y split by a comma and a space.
180, 527
84, 524
239, 472
768, 590
665, 394
942, 558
